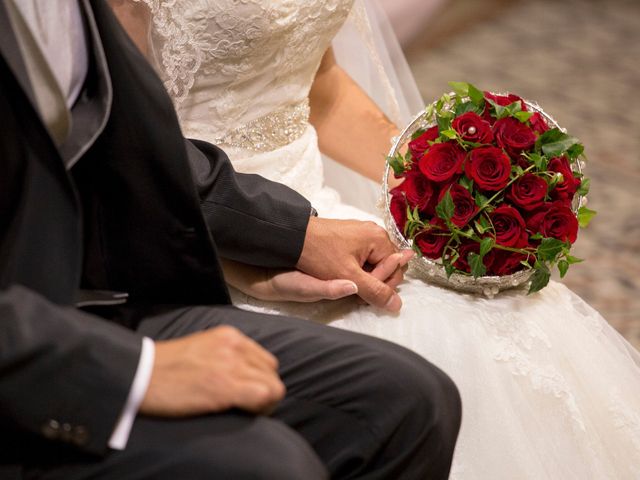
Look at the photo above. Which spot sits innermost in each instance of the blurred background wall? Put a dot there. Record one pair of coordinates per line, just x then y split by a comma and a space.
580, 60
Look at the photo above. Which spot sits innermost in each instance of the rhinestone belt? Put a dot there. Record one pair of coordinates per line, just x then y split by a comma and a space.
264, 134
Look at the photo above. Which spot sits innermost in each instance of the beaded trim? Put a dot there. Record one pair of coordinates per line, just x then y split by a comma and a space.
270, 132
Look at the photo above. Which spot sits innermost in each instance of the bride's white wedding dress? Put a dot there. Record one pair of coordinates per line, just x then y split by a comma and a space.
549, 389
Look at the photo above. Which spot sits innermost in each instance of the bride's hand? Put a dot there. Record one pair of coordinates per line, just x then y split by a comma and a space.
342, 248
285, 285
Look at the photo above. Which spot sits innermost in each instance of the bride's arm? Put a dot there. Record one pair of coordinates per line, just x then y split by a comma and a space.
351, 128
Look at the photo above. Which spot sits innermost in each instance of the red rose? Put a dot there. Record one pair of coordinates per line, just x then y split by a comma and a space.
489, 168
566, 189
472, 128
503, 262
528, 192
419, 145
509, 226
505, 100
514, 136
398, 208
442, 161
432, 241
557, 221
538, 124
535, 217
465, 205
418, 190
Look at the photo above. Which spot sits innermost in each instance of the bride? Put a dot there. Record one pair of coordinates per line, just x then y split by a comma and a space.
549, 389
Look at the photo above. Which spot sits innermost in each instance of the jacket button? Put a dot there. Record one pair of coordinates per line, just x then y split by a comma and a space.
51, 429
80, 435
66, 432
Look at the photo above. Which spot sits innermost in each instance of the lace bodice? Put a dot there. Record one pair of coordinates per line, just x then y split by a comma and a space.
239, 60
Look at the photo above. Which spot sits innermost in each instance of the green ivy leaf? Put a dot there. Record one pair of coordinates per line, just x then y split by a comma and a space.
585, 184
460, 88
573, 260
560, 146
506, 111
539, 278
563, 267
417, 133
549, 249
585, 216
482, 225
444, 121
466, 183
575, 151
480, 199
466, 107
523, 116
553, 181
446, 208
540, 161
449, 269
429, 112
517, 170
477, 267
477, 96
413, 224
450, 133
486, 244
550, 136
397, 164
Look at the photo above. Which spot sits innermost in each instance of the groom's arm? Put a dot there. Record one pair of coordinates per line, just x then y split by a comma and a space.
252, 220
64, 375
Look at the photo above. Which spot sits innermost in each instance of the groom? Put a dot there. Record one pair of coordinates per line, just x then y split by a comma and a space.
97, 199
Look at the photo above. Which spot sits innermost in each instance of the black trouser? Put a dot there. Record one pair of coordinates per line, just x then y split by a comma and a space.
356, 407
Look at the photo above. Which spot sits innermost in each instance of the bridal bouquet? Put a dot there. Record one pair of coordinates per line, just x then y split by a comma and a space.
492, 192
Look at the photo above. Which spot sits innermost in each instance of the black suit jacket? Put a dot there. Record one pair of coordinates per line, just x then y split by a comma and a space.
126, 214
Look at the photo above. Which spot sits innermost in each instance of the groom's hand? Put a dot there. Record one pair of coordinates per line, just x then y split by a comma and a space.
212, 371
342, 249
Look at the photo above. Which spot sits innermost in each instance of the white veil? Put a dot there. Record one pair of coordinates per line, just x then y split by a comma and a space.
367, 49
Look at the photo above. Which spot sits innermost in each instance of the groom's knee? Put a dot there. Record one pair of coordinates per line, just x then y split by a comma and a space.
210, 447
422, 392
272, 451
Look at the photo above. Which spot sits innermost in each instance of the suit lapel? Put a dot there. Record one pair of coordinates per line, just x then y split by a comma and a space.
11, 52
93, 107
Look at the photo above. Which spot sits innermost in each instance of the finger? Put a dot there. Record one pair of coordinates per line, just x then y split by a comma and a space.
386, 267
391, 270
376, 292
315, 289
395, 279
389, 265
252, 352
381, 246
335, 289
258, 396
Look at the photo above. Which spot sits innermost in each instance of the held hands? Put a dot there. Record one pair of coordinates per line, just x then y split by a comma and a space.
345, 249
284, 285
212, 371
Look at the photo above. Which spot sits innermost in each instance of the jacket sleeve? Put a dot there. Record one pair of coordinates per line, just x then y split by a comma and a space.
64, 375
252, 220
